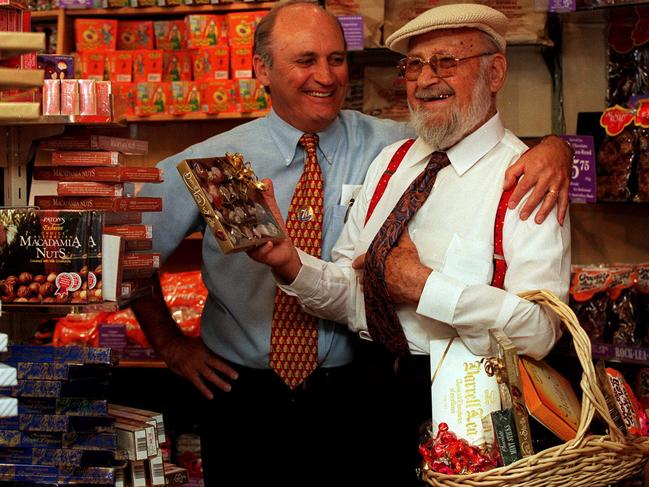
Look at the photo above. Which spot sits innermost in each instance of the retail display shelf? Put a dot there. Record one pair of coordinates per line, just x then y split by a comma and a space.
142, 364
611, 353
164, 117
45, 14
155, 11
58, 309
15, 43
9, 117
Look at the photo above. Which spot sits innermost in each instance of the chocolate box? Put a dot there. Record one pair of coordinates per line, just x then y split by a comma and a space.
228, 195
43, 256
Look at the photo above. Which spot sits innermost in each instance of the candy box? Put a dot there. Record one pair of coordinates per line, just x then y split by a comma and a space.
44, 256
228, 195
135, 34
170, 34
95, 34
218, 97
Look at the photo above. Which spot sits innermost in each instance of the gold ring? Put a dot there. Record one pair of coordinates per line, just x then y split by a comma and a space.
553, 191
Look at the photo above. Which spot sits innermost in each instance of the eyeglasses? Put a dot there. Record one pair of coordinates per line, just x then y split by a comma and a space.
443, 65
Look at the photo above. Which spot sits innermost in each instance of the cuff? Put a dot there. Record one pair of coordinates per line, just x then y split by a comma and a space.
309, 275
440, 296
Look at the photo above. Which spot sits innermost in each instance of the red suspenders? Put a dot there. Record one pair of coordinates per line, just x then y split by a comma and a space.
500, 266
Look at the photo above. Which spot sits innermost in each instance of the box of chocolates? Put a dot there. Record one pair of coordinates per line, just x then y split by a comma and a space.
228, 194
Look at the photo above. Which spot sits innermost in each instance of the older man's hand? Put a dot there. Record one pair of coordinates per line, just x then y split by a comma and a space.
405, 275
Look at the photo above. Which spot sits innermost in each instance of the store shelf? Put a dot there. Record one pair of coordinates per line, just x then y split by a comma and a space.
44, 15
21, 78
168, 11
142, 364
16, 113
196, 116
16, 43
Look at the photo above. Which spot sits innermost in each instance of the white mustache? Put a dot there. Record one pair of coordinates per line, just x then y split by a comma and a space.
433, 92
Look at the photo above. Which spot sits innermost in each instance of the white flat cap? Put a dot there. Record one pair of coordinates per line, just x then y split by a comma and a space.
469, 15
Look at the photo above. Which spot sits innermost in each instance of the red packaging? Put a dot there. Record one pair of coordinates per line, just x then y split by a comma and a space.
92, 65
135, 34
170, 34
120, 66
95, 34
130, 232
87, 97
69, 97
186, 97
206, 30
218, 97
241, 26
52, 97
87, 158
152, 98
98, 203
127, 92
65, 188
241, 62
147, 65
211, 63
98, 173
177, 66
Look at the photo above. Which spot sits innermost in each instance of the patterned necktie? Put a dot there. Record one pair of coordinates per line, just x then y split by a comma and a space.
294, 334
382, 320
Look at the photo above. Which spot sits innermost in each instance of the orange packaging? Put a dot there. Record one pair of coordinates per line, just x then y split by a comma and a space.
550, 398
241, 27
95, 34
211, 63
218, 97
170, 34
152, 98
177, 65
86, 158
119, 66
135, 34
241, 62
147, 65
251, 95
92, 65
206, 30
186, 96
127, 92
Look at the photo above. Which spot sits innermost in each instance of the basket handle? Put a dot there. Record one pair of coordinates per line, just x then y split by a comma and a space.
592, 397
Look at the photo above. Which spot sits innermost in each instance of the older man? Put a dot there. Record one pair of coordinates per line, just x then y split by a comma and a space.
263, 423
423, 235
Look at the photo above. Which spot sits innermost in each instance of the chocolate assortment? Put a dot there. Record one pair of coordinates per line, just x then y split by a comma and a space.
44, 257
227, 193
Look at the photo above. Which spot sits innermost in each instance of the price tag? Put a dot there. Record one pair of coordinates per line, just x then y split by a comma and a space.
583, 183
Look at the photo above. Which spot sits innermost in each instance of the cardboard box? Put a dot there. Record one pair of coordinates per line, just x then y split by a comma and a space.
81, 188
95, 143
45, 255
232, 207
87, 158
98, 173
550, 398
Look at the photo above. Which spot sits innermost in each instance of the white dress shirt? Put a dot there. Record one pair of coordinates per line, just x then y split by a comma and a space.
453, 232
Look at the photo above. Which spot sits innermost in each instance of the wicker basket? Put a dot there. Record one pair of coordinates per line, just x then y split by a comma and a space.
587, 460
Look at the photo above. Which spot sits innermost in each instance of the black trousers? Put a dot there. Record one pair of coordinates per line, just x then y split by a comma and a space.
262, 433
396, 399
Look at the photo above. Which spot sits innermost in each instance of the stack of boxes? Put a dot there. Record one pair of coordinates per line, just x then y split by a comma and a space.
91, 173
63, 434
141, 434
200, 64
20, 81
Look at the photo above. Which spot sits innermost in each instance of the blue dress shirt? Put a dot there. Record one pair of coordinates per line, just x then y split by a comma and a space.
236, 321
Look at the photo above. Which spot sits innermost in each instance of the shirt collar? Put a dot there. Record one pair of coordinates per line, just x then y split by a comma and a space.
470, 149
286, 138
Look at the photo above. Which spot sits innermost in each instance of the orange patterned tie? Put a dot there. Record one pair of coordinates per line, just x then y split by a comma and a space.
294, 335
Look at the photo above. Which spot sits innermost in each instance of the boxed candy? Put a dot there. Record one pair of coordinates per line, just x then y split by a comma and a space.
227, 193
44, 256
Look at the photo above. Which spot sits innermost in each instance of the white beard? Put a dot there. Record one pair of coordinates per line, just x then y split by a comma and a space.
459, 124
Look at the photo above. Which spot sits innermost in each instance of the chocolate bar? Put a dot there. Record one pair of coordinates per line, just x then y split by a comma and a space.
105, 174
96, 142
512, 395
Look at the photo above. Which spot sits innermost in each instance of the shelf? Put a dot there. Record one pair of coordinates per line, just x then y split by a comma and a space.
16, 43
142, 364
164, 117
17, 113
166, 11
581, 6
21, 78
38, 15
